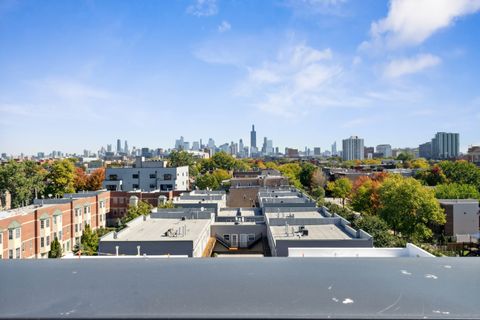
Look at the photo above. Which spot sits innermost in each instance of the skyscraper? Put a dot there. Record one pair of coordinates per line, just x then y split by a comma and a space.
353, 148
119, 146
445, 145
253, 138
125, 147
334, 148
385, 150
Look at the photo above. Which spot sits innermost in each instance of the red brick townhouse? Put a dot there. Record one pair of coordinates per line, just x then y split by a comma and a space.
27, 232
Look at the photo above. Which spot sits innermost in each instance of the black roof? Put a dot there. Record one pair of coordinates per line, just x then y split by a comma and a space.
241, 288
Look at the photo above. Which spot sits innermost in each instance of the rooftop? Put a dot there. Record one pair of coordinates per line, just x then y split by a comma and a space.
315, 232
321, 288
410, 251
159, 229
22, 210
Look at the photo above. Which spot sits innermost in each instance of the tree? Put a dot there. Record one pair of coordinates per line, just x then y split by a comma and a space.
364, 196
318, 193
167, 205
183, 158
292, 172
318, 179
207, 181
404, 157
271, 165
221, 175
241, 165
61, 178
223, 160
24, 181
88, 242
95, 180
378, 229
306, 172
55, 249
456, 191
80, 179
142, 208
420, 163
341, 188
409, 208
432, 176
462, 172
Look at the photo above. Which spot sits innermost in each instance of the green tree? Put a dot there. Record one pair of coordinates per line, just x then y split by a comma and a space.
242, 165
306, 173
456, 191
340, 188
61, 178
409, 208
24, 180
167, 205
142, 208
462, 172
379, 230
292, 172
183, 158
207, 181
404, 157
318, 179
88, 242
55, 249
221, 175
318, 193
223, 160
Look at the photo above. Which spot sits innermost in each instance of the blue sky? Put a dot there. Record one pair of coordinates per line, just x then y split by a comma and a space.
80, 74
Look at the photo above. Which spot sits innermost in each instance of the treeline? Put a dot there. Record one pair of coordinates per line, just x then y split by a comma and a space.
27, 180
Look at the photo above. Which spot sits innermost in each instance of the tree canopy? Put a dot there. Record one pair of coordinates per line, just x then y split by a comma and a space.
456, 191
409, 208
340, 188
55, 249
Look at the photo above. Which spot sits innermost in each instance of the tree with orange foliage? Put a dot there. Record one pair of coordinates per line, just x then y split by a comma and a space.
80, 179
95, 180
365, 194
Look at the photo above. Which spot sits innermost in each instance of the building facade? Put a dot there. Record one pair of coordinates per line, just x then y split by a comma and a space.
385, 150
353, 148
445, 145
28, 232
147, 176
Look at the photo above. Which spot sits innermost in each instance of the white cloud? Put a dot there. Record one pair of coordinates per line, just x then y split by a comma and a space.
299, 78
401, 67
411, 22
203, 8
224, 26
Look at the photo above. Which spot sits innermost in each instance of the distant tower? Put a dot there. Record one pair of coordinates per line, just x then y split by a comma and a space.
119, 146
253, 138
125, 148
334, 148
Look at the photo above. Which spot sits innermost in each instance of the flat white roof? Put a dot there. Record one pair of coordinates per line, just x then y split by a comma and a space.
22, 210
410, 250
315, 232
295, 214
153, 229
233, 213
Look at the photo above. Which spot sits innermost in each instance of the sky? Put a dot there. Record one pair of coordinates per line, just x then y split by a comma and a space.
78, 75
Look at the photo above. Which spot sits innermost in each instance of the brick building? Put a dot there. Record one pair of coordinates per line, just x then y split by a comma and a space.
27, 232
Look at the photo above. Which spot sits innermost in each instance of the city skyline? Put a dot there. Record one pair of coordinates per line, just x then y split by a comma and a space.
306, 73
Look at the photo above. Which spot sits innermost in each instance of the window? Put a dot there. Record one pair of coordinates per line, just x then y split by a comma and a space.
42, 242
166, 187
135, 186
17, 233
101, 216
1, 238
48, 240
112, 177
153, 176
47, 222
226, 237
59, 235
42, 224
152, 186
167, 176
86, 210
102, 204
76, 227
54, 220
17, 253
54, 235
135, 176
10, 254
251, 237
10, 234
